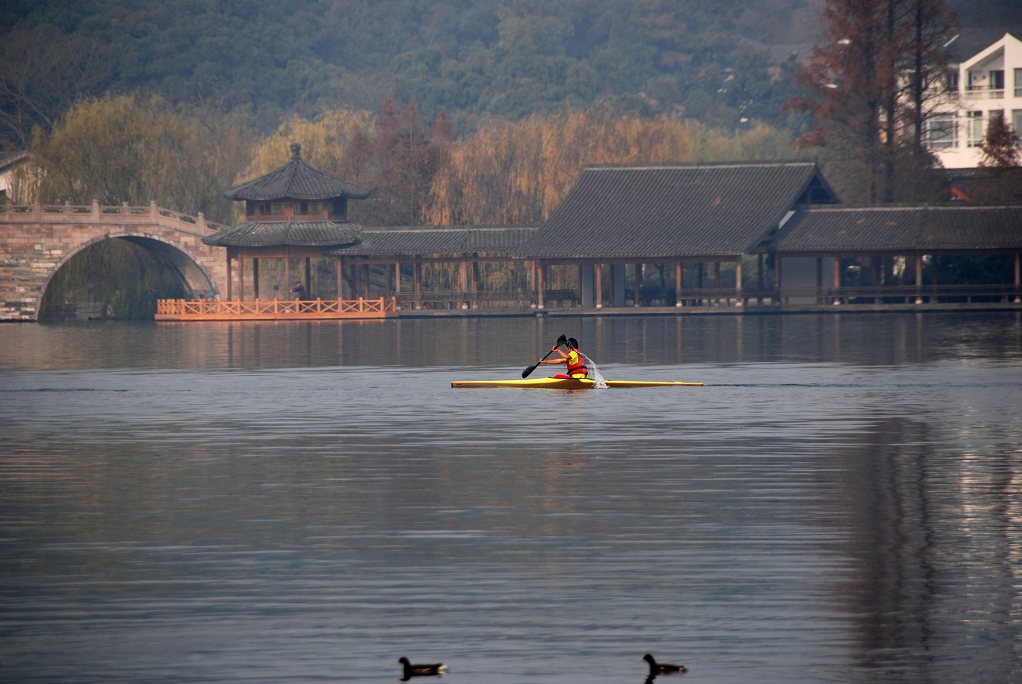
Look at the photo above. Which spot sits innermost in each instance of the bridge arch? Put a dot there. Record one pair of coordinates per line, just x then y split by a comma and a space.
36, 242
195, 280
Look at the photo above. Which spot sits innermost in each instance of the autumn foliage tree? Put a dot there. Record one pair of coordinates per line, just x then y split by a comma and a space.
870, 87
516, 173
139, 150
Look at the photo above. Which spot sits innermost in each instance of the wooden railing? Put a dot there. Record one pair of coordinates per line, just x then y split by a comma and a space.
496, 300
270, 310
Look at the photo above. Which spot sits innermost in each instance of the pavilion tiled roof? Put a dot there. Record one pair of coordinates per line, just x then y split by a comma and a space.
715, 210
493, 241
835, 230
286, 233
296, 180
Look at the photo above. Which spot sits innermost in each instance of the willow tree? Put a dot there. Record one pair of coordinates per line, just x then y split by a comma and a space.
516, 173
139, 150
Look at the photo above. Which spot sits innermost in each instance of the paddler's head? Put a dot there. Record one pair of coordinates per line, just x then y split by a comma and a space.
573, 343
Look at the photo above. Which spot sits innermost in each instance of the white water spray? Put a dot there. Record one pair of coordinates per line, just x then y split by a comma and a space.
594, 373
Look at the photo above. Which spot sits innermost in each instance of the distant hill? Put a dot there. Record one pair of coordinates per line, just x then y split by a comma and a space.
723, 62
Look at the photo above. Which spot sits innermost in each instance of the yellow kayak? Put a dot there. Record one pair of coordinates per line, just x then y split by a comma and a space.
568, 383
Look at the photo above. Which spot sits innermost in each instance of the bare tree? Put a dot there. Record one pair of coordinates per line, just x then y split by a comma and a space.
42, 73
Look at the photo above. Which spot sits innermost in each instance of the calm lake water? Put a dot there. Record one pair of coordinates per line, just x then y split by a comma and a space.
307, 502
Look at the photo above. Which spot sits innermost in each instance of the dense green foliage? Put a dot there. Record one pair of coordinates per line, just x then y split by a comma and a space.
717, 62
723, 63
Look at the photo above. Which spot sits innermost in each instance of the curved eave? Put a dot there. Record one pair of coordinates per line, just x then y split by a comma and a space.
287, 233
297, 180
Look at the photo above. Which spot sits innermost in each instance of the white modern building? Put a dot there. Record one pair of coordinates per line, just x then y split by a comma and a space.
985, 78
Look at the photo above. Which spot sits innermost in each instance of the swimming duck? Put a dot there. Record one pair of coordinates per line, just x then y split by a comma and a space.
656, 668
421, 670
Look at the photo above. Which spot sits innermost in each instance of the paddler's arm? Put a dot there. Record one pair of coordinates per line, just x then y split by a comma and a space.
564, 357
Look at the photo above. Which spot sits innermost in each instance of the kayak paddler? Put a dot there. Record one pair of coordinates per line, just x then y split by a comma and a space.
575, 365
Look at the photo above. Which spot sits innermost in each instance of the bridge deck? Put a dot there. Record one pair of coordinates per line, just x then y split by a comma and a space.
272, 310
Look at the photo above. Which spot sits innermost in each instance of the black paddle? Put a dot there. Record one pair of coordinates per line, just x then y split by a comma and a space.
561, 341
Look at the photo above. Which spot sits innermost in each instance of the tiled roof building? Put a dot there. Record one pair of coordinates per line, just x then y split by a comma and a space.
717, 211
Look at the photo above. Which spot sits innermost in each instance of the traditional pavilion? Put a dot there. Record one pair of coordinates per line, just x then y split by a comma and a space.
888, 245
404, 252
295, 211
696, 229
695, 215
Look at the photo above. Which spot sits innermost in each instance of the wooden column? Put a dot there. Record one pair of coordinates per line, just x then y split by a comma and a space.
397, 277
933, 277
308, 277
255, 278
777, 278
716, 282
836, 284
287, 276
919, 278
679, 278
241, 277
819, 280
340, 277
417, 283
599, 281
463, 269
1018, 276
473, 281
701, 281
738, 282
230, 274
540, 285
638, 285
365, 281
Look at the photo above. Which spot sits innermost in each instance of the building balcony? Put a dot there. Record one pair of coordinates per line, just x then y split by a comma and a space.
984, 93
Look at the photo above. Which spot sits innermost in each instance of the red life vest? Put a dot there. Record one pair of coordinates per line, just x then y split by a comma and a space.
579, 367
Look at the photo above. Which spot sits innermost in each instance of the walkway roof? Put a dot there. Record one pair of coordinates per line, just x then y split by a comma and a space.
898, 230
286, 233
718, 210
296, 180
409, 242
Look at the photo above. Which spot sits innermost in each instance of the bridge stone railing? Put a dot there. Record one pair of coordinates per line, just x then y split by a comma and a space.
36, 240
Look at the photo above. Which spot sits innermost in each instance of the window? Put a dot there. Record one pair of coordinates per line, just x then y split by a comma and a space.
303, 207
940, 132
996, 82
1016, 121
276, 208
975, 81
264, 208
1018, 82
952, 80
340, 208
974, 127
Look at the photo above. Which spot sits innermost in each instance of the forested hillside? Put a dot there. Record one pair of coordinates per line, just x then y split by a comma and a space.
712, 61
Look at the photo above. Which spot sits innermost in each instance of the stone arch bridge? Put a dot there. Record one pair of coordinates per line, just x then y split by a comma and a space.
36, 241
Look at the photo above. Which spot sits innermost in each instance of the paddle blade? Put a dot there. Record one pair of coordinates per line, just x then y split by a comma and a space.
528, 371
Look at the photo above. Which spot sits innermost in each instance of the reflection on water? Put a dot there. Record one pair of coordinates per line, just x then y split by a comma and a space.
307, 502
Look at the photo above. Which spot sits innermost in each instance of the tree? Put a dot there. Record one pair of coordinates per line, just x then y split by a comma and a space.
129, 149
871, 86
516, 173
999, 177
42, 72
1001, 146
